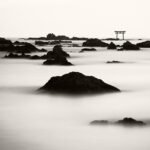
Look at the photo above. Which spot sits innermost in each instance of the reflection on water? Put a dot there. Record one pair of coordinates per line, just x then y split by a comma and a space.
33, 121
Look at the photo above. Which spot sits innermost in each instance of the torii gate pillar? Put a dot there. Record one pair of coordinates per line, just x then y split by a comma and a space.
120, 32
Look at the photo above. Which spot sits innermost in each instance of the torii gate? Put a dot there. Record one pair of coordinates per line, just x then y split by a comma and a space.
120, 32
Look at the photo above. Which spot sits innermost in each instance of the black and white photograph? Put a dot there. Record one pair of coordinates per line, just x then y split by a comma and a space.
74, 75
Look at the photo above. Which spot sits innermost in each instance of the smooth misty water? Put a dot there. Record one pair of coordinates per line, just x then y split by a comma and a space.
33, 121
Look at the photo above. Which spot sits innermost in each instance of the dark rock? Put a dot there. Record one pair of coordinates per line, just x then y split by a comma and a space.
42, 50
41, 43
55, 42
13, 55
111, 46
38, 57
57, 57
129, 46
113, 62
26, 48
57, 61
57, 51
130, 122
4, 41
5, 44
37, 38
18, 47
145, 44
52, 36
78, 83
88, 49
79, 38
99, 122
95, 42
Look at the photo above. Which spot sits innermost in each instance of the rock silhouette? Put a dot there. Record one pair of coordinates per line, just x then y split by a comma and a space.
123, 122
145, 44
112, 46
13, 55
78, 83
4, 41
129, 46
5, 44
130, 122
41, 43
57, 61
17, 47
99, 122
88, 49
113, 62
57, 57
95, 42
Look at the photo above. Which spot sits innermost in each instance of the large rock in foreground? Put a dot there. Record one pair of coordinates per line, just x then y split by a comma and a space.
78, 83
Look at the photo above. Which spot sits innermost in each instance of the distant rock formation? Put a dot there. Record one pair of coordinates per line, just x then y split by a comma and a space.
55, 42
130, 122
114, 62
112, 46
100, 122
78, 83
129, 46
88, 49
145, 44
41, 43
124, 122
35, 57
52, 36
94, 43
13, 55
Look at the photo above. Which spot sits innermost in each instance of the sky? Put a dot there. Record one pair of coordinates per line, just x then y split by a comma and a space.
83, 18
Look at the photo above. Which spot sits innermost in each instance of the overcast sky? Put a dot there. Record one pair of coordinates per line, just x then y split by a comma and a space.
91, 18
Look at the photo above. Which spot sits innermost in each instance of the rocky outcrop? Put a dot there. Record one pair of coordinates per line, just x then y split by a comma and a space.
124, 122
13, 55
100, 122
129, 46
145, 44
112, 46
57, 57
78, 83
52, 36
130, 122
57, 61
35, 57
114, 62
18, 47
41, 43
88, 49
4, 41
5, 44
95, 43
